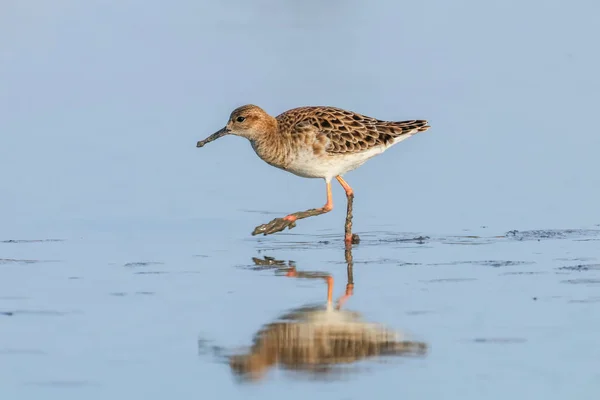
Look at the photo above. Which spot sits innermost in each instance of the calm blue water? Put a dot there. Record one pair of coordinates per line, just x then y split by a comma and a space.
101, 105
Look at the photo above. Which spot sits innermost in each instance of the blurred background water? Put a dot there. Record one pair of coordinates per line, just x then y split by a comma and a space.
101, 104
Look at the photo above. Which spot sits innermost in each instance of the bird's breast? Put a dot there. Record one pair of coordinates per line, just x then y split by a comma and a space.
272, 153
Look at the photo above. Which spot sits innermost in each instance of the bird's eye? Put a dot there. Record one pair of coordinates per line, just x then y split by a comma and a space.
240, 119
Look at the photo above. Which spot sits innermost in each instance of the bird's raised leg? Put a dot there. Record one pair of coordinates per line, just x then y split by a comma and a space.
293, 273
289, 221
349, 238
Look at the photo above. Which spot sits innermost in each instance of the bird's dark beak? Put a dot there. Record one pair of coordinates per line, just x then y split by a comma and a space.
212, 137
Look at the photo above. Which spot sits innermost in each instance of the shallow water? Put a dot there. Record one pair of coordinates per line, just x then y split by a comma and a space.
127, 268
107, 314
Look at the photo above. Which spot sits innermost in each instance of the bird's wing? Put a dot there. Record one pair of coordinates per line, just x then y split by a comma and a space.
346, 131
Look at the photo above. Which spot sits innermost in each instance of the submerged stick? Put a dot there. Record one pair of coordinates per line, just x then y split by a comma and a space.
350, 238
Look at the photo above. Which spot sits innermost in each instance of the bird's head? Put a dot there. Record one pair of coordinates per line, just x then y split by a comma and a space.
248, 121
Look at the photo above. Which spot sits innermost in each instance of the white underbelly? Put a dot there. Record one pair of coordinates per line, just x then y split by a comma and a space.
328, 166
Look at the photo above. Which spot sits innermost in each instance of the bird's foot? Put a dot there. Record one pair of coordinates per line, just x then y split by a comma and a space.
276, 225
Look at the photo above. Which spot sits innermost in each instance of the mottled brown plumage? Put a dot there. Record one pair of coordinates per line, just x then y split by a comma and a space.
316, 340
315, 142
346, 131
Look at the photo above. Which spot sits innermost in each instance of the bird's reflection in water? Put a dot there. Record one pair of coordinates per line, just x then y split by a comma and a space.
318, 339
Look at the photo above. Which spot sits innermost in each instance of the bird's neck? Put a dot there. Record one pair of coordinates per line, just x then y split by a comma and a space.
271, 145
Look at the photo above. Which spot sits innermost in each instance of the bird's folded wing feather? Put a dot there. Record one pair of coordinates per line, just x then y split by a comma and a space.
347, 132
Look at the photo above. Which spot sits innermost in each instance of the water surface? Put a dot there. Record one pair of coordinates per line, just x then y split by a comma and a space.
127, 268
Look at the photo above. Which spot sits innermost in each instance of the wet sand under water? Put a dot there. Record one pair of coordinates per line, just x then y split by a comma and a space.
170, 311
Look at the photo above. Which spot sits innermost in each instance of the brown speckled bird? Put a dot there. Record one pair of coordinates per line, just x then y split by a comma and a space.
311, 339
315, 142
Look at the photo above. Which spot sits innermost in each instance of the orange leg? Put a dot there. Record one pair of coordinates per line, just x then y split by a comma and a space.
293, 273
347, 188
348, 237
289, 221
326, 208
350, 272
329, 289
346, 296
